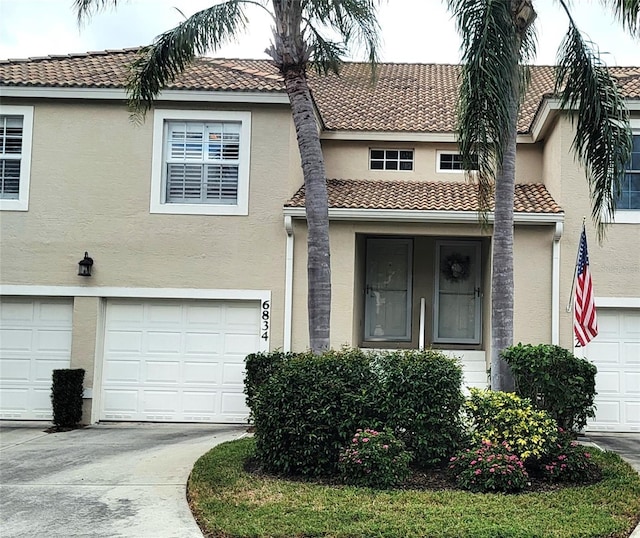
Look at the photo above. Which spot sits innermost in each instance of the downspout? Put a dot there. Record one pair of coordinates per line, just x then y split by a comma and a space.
288, 284
555, 285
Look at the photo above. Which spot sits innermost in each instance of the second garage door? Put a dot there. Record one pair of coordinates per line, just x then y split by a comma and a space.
616, 353
177, 361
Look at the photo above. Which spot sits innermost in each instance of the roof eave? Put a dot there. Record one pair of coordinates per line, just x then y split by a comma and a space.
54, 92
403, 215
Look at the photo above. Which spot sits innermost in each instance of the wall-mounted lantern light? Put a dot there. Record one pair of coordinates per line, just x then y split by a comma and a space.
84, 265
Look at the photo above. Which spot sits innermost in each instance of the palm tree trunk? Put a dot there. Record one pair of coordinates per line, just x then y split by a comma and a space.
317, 208
502, 258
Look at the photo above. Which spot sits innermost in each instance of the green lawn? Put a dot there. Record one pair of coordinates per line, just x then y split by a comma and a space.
231, 503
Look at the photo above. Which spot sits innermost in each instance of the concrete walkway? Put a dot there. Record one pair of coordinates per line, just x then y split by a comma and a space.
106, 480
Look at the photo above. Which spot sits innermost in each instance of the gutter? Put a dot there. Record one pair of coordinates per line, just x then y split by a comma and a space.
555, 285
288, 284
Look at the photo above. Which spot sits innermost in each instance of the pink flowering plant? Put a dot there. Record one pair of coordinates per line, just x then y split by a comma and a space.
489, 468
567, 461
374, 459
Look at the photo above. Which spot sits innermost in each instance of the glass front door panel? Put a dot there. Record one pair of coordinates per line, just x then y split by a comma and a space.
457, 301
388, 289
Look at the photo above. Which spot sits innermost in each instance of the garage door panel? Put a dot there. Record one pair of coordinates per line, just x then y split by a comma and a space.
631, 353
16, 340
43, 369
122, 371
35, 339
15, 370
202, 343
190, 350
201, 373
164, 342
164, 314
164, 372
632, 384
211, 316
53, 340
616, 353
233, 404
54, 313
240, 344
121, 400
123, 342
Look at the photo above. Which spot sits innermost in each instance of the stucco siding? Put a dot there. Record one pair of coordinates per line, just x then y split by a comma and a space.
90, 191
350, 160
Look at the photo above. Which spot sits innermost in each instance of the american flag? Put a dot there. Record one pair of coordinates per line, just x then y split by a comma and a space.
585, 324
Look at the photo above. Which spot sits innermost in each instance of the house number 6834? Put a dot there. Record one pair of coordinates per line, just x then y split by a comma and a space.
265, 317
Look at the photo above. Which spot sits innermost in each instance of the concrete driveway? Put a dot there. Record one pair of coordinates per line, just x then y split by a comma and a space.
106, 480
626, 445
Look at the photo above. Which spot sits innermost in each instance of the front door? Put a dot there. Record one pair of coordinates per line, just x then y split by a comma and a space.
457, 301
388, 289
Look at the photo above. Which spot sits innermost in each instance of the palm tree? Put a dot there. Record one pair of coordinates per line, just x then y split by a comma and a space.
299, 40
498, 41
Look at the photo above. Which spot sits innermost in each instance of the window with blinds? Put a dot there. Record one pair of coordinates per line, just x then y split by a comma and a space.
11, 134
202, 162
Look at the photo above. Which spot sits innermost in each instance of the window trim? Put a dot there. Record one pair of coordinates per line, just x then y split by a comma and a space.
22, 202
626, 216
398, 149
158, 204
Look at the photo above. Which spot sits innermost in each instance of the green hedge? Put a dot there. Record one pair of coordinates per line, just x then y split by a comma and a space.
422, 402
309, 406
259, 367
556, 381
66, 397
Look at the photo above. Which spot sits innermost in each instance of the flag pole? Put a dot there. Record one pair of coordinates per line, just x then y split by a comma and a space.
575, 272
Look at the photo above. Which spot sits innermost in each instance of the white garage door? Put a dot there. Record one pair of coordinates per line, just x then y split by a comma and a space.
177, 361
616, 353
35, 339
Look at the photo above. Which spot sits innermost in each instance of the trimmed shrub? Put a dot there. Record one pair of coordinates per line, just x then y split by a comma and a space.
308, 409
556, 381
505, 417
489, 467
259, 366
66, 397
422, 402
374, 459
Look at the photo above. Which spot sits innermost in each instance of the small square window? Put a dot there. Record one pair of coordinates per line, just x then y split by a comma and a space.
391, 159
451, 162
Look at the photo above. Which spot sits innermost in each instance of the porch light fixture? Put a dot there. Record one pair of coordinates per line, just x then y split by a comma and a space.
84, 265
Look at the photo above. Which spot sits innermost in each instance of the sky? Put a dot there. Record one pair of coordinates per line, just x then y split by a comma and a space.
412, 30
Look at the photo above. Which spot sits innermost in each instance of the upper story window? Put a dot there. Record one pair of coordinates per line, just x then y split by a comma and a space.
16, 124
201, 162
391, 159
449, 162
628, 205
630, 195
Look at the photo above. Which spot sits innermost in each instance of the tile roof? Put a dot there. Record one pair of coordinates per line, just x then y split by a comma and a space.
424, 196
404, 97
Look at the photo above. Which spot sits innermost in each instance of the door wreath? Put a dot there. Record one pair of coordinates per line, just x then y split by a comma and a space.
456, 267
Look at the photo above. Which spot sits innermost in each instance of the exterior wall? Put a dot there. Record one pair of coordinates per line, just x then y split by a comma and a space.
90, 191
533, 280
532, 253
350, 160
614, 263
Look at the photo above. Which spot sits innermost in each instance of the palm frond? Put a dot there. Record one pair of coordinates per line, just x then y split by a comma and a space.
603, 139
490, 61
161, 62
355, 22
85, 8
627, 12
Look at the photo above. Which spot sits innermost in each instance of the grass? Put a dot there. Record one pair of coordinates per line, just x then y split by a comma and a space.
231, 503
